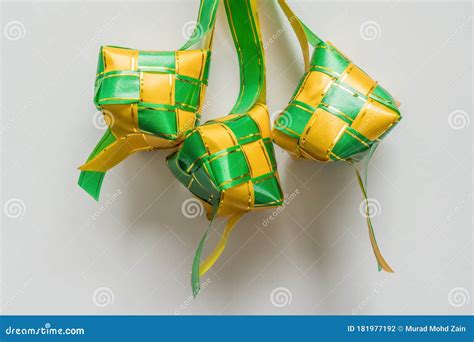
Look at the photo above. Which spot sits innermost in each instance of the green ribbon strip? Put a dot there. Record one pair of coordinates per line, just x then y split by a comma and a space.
381, 263
245, 30
204, 26
90, 181
195, 279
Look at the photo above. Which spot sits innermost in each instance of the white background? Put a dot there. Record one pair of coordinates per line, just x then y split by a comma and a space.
131, 253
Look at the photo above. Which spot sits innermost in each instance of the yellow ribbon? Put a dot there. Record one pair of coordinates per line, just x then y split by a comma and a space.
216, 253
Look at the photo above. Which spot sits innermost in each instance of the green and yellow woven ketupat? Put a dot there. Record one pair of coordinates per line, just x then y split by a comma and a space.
337, 112
153, 100
149, 99
229, 163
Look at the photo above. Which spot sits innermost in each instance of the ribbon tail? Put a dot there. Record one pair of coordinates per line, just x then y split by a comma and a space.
116, 152
299, 27
199, 269
216, 253
382, 264
91, 181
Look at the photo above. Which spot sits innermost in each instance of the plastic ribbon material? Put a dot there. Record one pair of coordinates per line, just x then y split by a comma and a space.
229, 163
153, 100
337, 111
382, 264
149, 99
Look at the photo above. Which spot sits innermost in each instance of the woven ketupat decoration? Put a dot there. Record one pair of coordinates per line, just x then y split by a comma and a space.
149, 99
337, 111
229, 163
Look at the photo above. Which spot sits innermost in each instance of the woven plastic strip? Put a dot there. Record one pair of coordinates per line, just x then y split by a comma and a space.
229, 163
149, 99
337, 112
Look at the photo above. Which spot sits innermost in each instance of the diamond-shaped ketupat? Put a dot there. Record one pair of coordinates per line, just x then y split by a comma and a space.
337, 111
230, 163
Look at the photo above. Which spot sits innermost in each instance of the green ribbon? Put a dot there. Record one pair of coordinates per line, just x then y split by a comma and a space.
244, 28
363, 183
188, 164
342, 101
90, 181
205, 24
195, 279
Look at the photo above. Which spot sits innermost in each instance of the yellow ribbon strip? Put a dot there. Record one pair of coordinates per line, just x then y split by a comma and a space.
299, 31
117, 152
378, 255
216, 253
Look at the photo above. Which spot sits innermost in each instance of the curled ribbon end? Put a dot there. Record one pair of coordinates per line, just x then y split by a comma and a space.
386, 268
196, 271
91, 182
90, 167
95, 196
87, 167
196, 290
195, 279
382, 265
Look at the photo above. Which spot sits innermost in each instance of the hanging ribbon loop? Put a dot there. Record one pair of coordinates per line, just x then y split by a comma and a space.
229, 162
